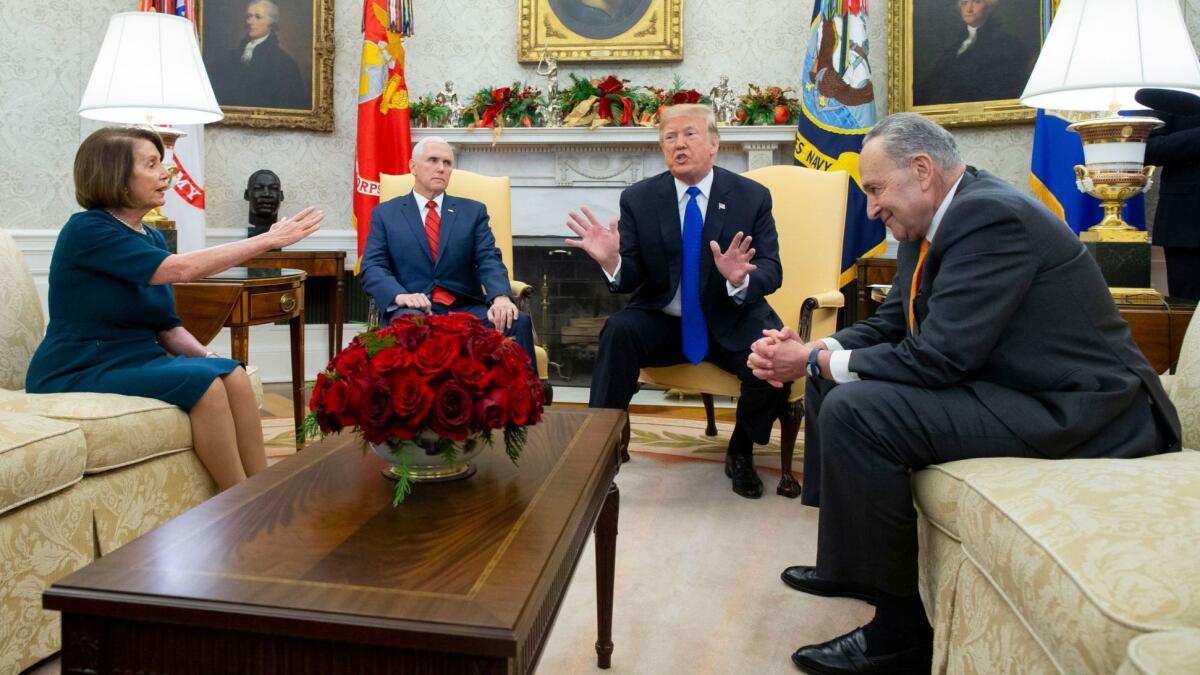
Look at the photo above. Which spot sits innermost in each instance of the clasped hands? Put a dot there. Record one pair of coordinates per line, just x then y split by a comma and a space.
502, 313
603, 244
779, 356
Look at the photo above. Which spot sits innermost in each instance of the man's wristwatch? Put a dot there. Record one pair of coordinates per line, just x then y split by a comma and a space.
814, 367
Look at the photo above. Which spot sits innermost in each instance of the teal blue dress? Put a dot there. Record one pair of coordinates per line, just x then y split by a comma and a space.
105, 316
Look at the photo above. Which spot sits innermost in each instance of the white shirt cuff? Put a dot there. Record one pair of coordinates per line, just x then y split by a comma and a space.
739, 293
839, 364
832, 345
612, 278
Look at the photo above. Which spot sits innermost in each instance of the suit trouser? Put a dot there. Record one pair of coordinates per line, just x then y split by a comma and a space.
862, 440
634, 338
1183, 272
521, 330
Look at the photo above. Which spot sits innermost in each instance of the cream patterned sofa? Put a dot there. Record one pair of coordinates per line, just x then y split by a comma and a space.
80, 474
1069, 566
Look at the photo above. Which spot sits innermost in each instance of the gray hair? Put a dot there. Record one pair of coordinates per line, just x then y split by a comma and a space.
272, 10
418, 150
906, 135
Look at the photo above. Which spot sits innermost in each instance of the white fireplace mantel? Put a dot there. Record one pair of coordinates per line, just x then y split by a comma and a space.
556, 170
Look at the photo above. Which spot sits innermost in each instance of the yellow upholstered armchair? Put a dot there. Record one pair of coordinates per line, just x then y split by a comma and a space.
496, 194
810, 213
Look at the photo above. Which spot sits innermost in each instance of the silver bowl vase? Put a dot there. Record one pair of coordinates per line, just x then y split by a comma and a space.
425, 463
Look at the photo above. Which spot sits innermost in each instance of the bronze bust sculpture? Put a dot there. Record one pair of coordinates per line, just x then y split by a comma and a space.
265, 194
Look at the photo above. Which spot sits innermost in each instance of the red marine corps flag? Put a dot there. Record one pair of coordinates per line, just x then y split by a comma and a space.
384, 143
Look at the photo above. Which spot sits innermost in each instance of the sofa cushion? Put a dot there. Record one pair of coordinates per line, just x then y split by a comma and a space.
937, 488
1090, 553
1174, 651
38, 457
120, 430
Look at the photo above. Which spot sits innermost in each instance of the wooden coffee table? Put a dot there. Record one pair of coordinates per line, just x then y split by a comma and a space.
307, 568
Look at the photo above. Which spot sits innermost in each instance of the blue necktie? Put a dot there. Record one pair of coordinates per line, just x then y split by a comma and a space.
695, 333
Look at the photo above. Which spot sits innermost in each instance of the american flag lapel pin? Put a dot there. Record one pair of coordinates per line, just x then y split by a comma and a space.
721, 206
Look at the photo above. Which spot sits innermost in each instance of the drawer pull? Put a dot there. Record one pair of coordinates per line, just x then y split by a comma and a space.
287, 302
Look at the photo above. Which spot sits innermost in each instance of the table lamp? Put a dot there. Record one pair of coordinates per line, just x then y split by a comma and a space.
1097, 55
149, 71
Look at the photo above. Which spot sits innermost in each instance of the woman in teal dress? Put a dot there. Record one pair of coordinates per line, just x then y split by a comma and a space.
113, 327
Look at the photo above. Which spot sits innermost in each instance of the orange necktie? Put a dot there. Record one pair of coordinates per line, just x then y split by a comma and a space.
433, 225
916, 283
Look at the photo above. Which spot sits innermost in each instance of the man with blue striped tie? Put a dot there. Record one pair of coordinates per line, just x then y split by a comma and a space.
696, 246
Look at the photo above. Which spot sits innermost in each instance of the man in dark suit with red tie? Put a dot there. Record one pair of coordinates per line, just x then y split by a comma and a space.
683, 248
999, 338
428, 252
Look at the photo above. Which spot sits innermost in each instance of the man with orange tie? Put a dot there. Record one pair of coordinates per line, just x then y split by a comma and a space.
428, 252
998, 338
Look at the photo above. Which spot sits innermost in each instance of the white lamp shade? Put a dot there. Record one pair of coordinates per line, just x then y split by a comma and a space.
149, 70
1102, 51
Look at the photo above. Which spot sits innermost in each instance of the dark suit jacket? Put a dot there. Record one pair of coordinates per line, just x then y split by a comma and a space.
1176, 148
652, 239
397, 259
1012, 307
994, 68
270, 79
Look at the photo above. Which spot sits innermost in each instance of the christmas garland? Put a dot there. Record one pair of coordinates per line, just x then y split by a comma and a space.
611, 101
520, 105
767, 106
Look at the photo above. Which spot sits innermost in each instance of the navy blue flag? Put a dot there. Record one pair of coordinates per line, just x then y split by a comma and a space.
837, 108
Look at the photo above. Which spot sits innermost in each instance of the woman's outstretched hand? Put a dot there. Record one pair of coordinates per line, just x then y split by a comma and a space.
291, 230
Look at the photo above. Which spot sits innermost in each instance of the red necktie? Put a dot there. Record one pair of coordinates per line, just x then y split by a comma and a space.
916, 284
433, 225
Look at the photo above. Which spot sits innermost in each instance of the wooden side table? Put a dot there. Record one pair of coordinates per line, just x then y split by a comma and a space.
325, 264
241, 297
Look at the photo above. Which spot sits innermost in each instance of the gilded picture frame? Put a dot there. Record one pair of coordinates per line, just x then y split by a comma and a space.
600, 30
285, 81
960, 78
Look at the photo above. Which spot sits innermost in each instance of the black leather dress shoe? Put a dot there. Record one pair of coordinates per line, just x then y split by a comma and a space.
745, 479
848, 654
804, 578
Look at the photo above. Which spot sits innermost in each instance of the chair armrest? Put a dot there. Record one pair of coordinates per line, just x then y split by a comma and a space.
522, 292
826, 300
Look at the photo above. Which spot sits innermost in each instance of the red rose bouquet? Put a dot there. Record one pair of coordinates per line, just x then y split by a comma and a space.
428, 385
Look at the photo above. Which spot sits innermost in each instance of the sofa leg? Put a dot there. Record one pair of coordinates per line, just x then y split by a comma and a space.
547, 392
789, 423
711, 429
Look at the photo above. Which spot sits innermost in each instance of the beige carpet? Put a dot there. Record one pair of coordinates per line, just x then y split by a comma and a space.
697, 580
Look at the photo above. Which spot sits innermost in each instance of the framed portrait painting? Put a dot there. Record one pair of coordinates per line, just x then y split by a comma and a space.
600, 30
964, 62
270, 61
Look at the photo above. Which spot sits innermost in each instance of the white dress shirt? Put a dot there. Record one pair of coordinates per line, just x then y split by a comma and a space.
248, 52
966, 44
422, 200
839, 358
675, 306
